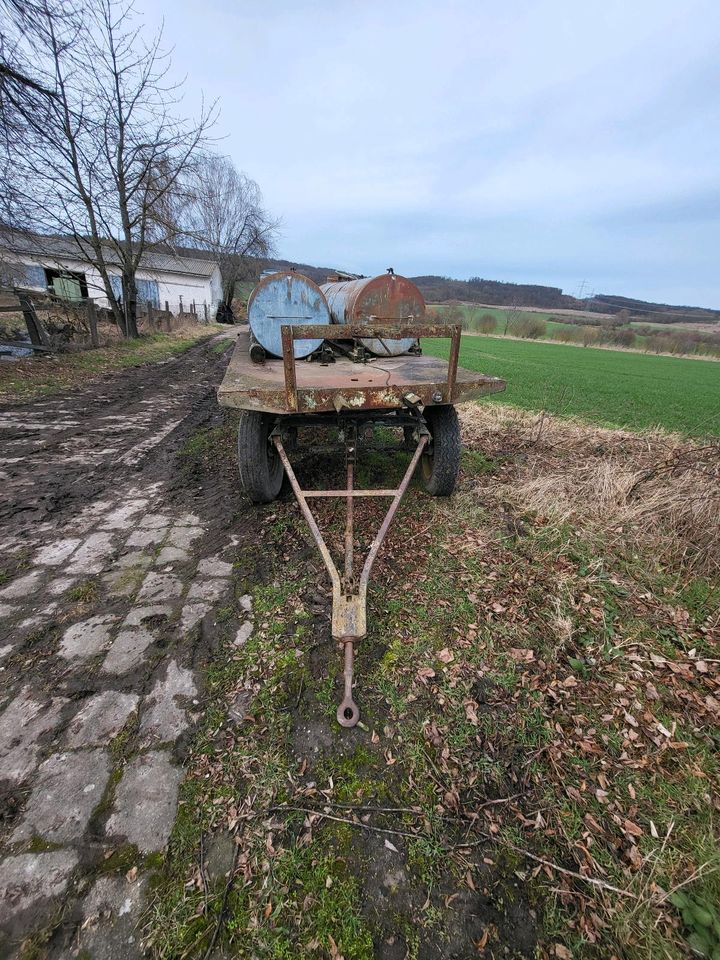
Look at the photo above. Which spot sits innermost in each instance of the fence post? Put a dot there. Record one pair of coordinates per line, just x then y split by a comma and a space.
38, 336
205, 311
150, 315
92, 321
167, 307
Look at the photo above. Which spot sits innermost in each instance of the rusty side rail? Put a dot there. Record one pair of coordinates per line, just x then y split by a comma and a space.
386, 331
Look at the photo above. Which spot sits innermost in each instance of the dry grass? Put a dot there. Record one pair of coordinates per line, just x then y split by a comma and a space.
657, 491
26, 379
69, 331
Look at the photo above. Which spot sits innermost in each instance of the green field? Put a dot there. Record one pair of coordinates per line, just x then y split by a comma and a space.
610, 387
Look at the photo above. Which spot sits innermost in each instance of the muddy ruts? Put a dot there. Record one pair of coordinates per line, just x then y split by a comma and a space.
282, 298
372, 299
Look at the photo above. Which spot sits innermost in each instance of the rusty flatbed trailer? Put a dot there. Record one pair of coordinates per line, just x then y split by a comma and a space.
344, 385
412, 393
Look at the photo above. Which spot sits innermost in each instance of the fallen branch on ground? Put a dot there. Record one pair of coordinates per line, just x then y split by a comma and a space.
485, 838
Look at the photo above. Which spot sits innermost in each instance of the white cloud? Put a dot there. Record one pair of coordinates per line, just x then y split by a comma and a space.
471, 137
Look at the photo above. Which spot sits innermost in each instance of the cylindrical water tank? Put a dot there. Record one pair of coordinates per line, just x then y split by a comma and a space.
283, 298
376, 299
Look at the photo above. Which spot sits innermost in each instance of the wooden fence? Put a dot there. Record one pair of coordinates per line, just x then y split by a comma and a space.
155, 318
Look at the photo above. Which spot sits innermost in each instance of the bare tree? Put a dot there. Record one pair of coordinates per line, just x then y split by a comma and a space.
487, 323
102, 156
453, 313
224, 214
513, 313
21, 93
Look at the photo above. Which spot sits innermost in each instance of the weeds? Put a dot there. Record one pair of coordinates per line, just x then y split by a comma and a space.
657, 493
85, 592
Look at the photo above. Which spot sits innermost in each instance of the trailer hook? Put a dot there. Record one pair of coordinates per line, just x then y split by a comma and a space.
348, 713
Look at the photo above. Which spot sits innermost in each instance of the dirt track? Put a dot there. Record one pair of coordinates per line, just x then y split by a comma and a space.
62, 452
113, 556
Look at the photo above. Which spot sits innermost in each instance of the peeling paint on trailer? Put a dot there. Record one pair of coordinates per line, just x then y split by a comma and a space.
282, 298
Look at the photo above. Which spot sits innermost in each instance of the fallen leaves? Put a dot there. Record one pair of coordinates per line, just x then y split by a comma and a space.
471, 708
424, 674
570, 729
632, 828
521, 655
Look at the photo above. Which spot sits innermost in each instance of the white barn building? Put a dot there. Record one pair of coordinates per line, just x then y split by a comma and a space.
52, 264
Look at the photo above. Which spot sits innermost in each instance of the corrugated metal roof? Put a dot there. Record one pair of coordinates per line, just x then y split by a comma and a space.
66, 248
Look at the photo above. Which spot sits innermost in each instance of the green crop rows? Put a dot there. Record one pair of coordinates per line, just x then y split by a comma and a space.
609, 387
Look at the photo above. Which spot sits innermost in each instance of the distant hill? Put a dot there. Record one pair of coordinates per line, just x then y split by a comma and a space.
652, 312
437, 289
497, 293
318, 274
477, 290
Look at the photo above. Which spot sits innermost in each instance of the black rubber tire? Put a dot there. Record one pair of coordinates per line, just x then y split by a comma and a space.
261, 470
440, 468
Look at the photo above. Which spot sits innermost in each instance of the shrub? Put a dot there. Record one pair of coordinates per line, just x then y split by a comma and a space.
622, 337
589, 335
568, 334
527, 326
487, 323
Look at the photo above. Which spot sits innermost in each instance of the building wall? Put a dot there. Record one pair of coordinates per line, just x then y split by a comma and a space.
216, 286
172, 287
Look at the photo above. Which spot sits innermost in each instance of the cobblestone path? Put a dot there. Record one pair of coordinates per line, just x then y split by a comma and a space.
113, 565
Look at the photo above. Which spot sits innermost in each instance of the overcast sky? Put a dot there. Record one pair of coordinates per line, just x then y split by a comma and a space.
547, 142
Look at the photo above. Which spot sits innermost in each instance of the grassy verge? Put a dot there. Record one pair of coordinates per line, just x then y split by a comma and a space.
537, 770
23, 380
614, 388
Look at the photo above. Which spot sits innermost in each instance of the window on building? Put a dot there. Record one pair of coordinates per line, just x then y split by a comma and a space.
67, 284
147, 290
33, 276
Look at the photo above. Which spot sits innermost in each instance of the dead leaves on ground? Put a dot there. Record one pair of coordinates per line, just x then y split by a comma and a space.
542, 709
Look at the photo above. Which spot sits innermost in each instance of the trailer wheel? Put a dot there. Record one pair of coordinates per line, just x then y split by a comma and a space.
261, 470
440, 467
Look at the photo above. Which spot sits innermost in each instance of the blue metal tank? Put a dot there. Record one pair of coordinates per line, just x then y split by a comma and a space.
283, 298
376, 299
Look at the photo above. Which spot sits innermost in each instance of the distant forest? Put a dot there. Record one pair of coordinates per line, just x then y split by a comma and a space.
477, 290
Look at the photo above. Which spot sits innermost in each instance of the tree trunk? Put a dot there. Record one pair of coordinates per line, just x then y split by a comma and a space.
225, 313
130, 301
115, 306
92, 321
